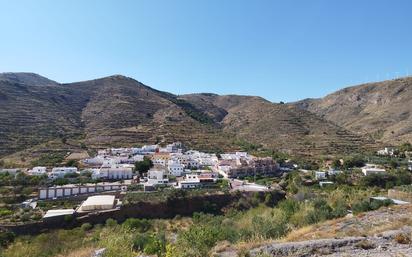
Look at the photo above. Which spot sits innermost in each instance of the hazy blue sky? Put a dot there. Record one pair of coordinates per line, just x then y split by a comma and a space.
281, 50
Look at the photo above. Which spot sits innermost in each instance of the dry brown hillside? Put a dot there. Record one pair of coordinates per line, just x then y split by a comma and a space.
383, 110
120, 111
278, 126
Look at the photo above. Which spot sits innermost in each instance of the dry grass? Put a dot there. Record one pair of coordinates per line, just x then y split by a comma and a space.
370, 223
82, 252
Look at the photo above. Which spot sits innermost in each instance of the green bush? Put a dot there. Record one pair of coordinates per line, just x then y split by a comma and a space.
111, 222
86, 226
143, 166
6, 237
289, 207
5, 212
156, 244
142, 225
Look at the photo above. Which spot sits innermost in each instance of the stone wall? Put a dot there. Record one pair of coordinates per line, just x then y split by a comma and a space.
400, 195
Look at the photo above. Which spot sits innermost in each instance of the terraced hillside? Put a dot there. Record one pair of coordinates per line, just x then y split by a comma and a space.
117, 110
277, 126
383, 110
34, 110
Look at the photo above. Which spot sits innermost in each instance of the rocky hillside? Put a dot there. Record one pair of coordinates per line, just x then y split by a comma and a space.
383, 110
277, 126
382, 233
117, 110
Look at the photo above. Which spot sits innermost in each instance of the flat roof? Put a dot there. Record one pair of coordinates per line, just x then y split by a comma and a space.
59, 212
99, 200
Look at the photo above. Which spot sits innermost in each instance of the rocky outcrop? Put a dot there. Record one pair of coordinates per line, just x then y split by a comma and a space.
390, 243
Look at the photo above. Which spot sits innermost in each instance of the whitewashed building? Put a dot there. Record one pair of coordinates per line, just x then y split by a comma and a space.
320, 175
157, 177
175, 168
115, 171
387, 151
60, 172
190, 181
98, 203
334, 172
369, 169
37, 171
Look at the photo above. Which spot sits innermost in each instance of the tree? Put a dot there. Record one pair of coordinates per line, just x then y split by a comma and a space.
354, 161
336, 164
143, 166
72, 163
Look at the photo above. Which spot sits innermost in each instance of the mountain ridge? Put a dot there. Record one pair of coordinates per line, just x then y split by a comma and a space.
117, 110
380, 109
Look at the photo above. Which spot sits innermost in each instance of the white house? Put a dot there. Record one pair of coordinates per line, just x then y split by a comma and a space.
410, 165
60, 172
386, 151
98, 160
320, 175
157, 177
115, 171
159, 162
175, 168
37, 171
190, 181
334, 172
137, 158
9, 171
369, 169
149, 148
97, 203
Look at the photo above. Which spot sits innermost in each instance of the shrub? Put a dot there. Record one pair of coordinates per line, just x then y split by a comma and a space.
68, 218
289, 207
86, 226
140, 241
269, 227
111, 222
6, 237
155, 245
361, 206
379, 180
340, 209
137, 224
5, 212
354, 161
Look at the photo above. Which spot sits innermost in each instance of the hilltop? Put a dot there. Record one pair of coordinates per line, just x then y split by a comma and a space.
382, 109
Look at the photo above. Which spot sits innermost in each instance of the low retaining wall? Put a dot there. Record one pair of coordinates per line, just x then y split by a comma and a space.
400, 195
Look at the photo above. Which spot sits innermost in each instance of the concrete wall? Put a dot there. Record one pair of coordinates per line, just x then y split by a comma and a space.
400, 195
58, 192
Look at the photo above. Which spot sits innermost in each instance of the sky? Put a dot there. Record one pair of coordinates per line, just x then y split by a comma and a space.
280, 50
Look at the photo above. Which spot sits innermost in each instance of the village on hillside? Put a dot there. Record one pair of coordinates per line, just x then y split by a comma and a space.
115, 172
101, 182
